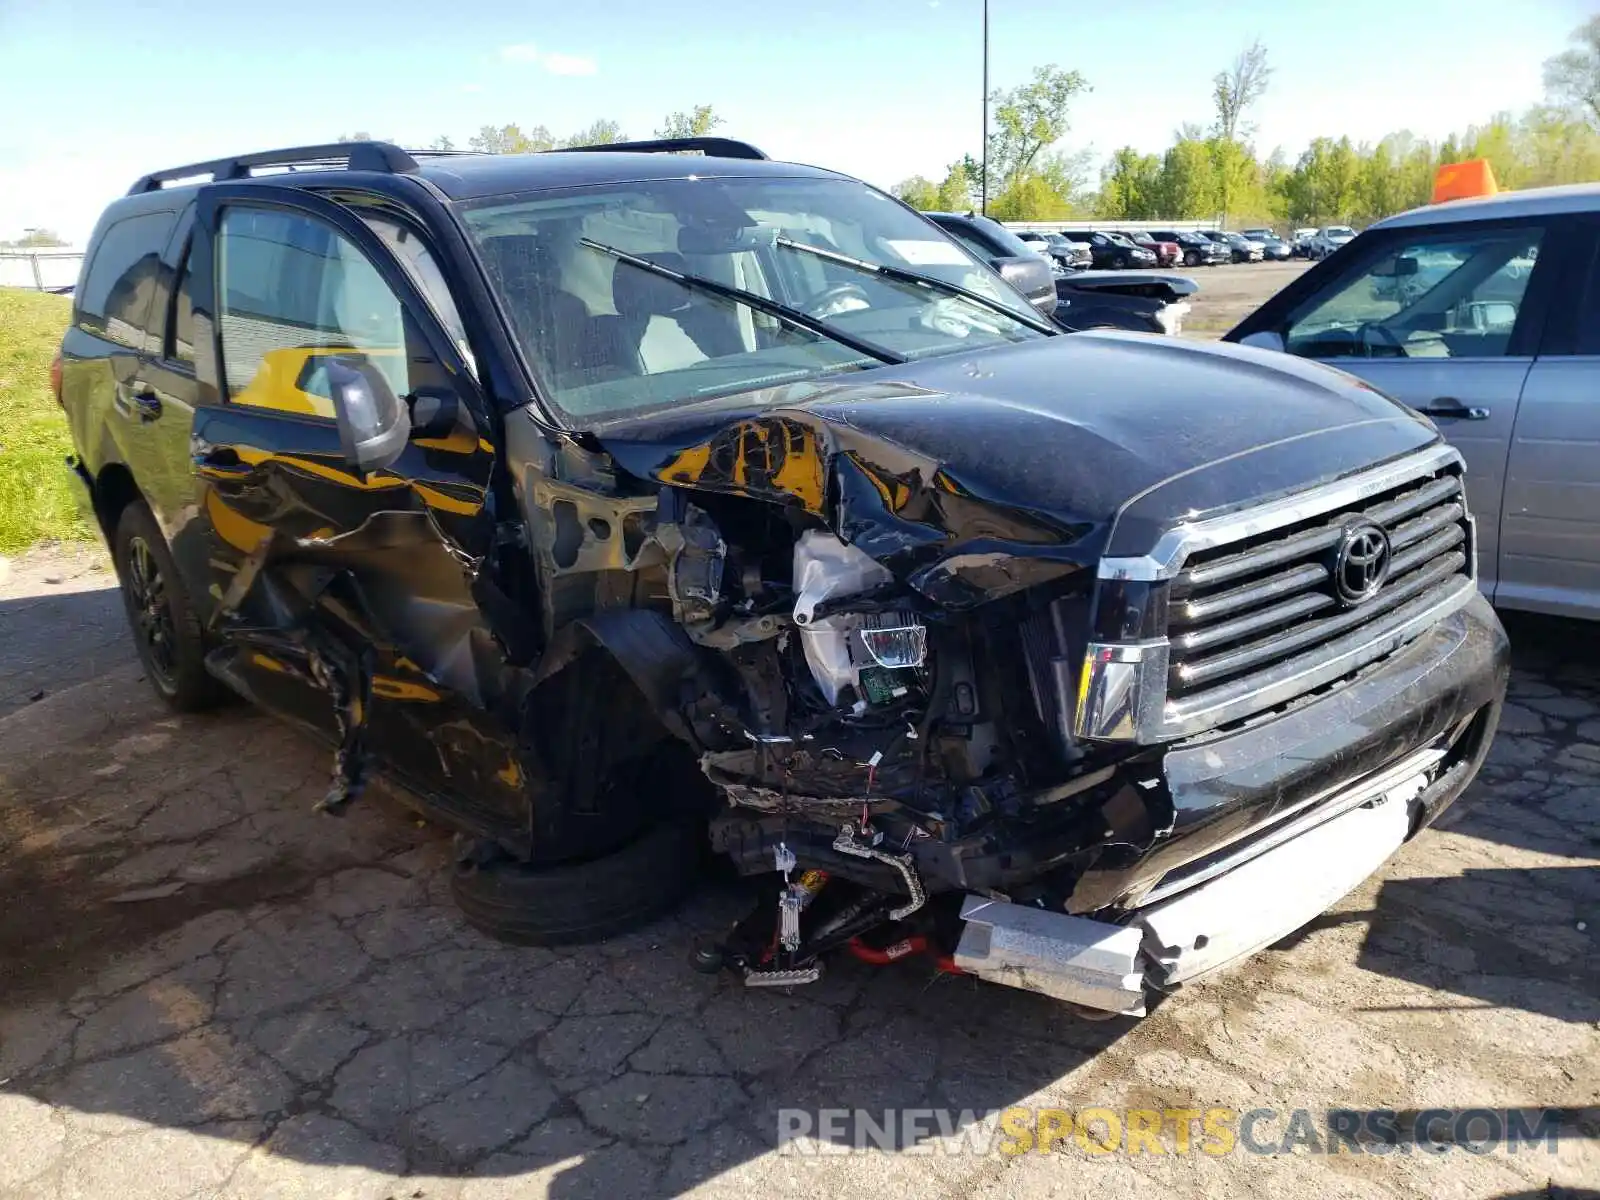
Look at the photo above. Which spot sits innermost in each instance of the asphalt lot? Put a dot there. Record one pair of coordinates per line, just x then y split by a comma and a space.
208, 990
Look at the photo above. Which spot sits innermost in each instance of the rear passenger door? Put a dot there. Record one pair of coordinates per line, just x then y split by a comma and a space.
1550, 534
116, 329
164, 406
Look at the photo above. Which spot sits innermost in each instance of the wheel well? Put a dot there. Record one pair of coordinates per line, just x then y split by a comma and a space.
114, 490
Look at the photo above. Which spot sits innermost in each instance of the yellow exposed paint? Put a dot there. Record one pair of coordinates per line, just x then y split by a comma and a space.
267, 662
688, 465
446, 503
782, 454
238, 531
459, 442
510, 774
275, 383
390, 688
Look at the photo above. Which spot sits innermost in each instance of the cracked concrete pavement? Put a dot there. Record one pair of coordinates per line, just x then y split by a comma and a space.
208, 991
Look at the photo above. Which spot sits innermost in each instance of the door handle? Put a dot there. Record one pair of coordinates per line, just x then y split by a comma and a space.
1449, 406
142, 404
221, 460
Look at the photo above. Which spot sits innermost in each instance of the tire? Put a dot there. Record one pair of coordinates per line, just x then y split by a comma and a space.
582, 902
166, 630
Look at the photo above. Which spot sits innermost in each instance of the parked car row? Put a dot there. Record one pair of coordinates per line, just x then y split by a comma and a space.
1319, 243
1146, 301
1123, 250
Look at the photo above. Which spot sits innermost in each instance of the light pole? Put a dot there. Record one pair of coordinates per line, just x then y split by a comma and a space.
983, 184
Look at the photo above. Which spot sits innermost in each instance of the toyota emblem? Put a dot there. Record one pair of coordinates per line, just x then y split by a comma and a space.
1361, 563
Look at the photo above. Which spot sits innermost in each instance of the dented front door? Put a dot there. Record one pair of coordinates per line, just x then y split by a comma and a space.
344, 598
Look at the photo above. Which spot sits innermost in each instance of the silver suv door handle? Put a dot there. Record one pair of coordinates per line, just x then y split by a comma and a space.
1449, 406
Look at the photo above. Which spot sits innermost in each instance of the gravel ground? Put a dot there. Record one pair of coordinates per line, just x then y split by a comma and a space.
210, 991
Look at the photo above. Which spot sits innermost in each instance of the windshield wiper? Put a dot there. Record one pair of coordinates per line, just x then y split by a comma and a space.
916, 278
779, 312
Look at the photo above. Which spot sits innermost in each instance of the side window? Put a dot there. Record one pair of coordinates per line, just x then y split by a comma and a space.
288, 289
179, 342
413, 254
1449, 295
114, 299
983, 253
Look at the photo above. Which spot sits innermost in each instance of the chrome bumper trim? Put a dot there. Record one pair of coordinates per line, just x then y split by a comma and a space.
1204, 928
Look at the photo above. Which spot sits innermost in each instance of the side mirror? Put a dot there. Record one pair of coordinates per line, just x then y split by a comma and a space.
374, 425
1266, 339
1032, 276
434, 412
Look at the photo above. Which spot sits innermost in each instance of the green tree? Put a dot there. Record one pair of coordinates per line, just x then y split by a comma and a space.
1236, 178
1187, 185
1379, 185
1573, 78
1029, 197
919, 191
1130, 186
1500, 142
442, 142
36, 239
509, 139
600, 133
1237, 89
955, 193
697, 123
1030, 119
1324, 186
1558, 147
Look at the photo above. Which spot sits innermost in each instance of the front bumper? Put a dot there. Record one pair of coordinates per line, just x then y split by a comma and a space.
1271, 825
1109, 966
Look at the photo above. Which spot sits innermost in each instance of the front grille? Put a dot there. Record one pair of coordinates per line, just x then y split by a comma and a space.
1248, 614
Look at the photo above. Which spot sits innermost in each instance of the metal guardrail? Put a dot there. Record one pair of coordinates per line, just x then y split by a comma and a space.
1117, 223
40, 270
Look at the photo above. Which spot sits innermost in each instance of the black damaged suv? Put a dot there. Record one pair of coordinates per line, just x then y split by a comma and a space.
628, 503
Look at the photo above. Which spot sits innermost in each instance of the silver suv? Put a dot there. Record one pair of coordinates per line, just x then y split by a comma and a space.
1483, 315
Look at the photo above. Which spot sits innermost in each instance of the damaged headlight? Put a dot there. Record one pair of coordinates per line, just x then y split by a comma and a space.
878, 656
893, 642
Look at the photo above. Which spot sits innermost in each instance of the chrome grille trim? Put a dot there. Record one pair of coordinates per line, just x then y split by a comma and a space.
1258, 623
1177, 544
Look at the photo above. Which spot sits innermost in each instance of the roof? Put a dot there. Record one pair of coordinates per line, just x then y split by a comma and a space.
470, 176
1531, 202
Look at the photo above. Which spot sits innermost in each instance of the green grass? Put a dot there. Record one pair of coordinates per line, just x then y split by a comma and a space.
36, 501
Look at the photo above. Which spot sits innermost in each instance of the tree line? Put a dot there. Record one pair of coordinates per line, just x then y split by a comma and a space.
1215, 171
513, 139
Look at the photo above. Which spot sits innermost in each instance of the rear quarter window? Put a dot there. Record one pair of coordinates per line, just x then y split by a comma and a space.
124, 274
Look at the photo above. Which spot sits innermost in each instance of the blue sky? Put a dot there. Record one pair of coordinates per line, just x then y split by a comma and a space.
97, 91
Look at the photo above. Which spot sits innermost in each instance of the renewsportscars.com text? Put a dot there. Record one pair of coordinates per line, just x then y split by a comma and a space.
1212, 1131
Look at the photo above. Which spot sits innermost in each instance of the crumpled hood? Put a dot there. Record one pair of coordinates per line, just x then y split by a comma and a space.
1064, 449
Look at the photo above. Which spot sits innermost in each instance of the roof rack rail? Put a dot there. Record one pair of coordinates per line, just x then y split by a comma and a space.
383, 157
711, 147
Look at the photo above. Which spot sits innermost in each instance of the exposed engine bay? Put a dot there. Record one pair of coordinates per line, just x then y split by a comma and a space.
875, 753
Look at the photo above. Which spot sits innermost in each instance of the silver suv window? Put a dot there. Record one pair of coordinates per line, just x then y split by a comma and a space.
1453, 294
